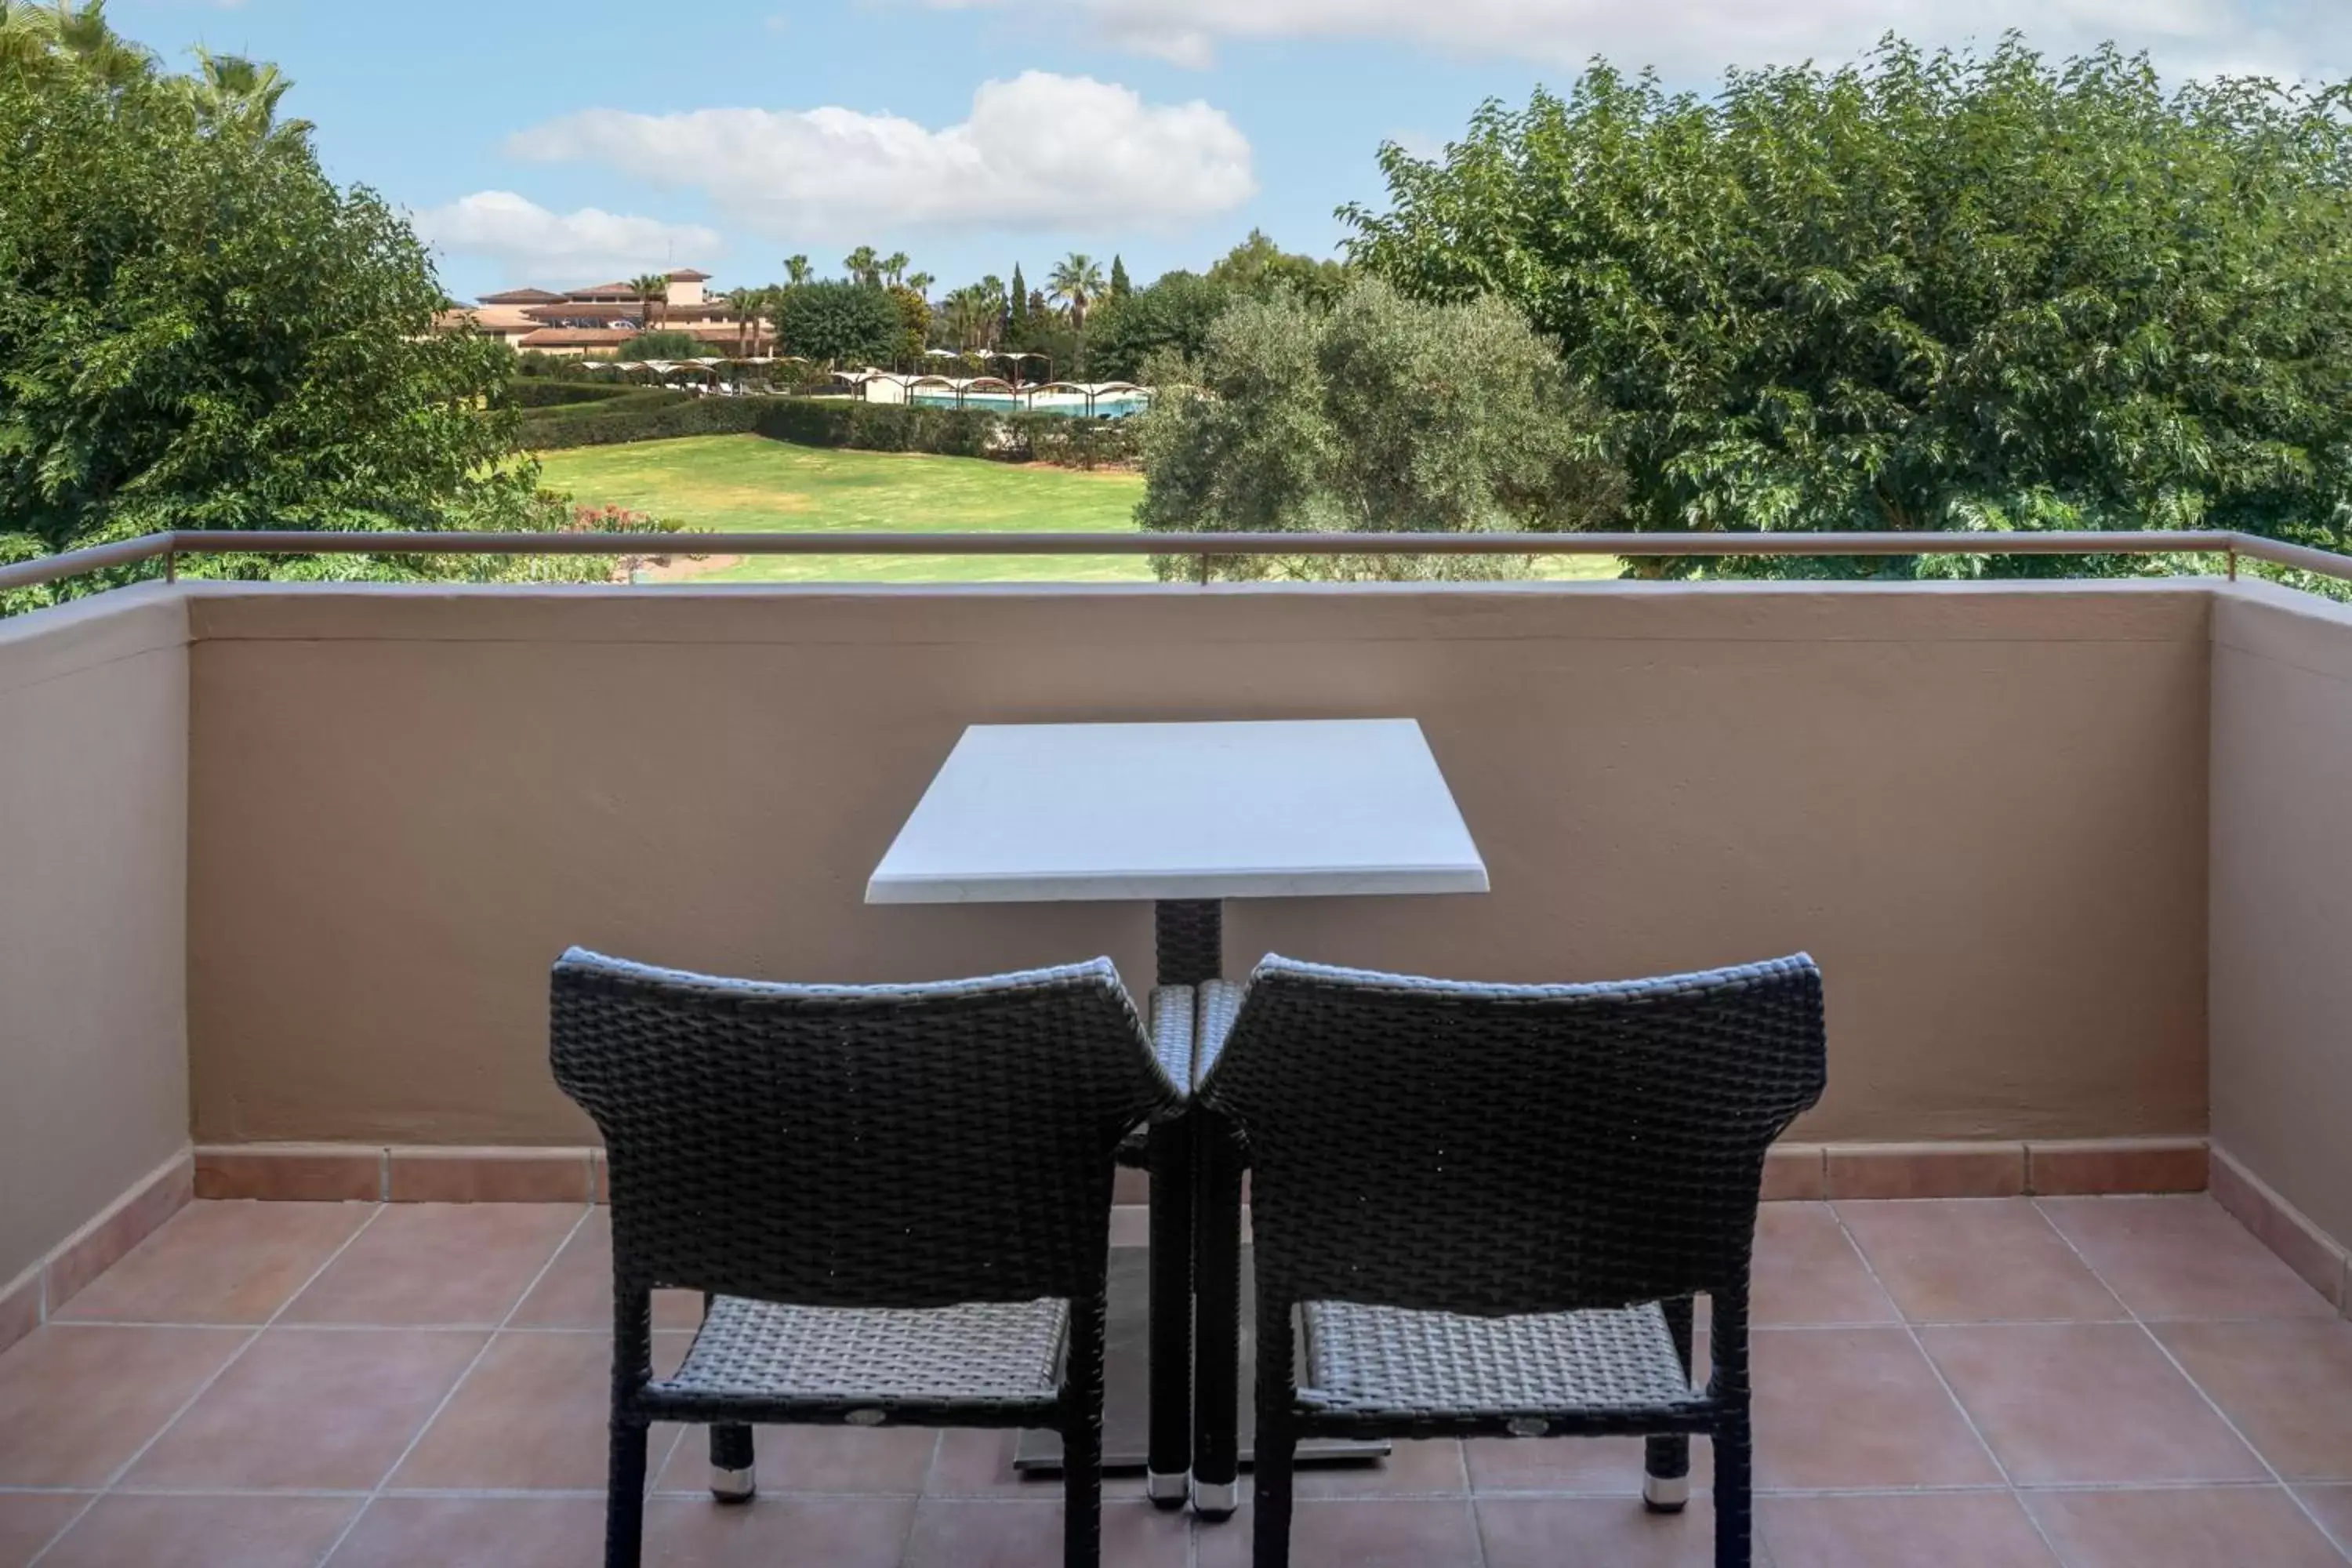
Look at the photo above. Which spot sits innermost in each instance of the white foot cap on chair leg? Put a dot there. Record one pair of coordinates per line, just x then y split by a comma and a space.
1216, 1500
732, 1486
1664, 1495
1166, 1489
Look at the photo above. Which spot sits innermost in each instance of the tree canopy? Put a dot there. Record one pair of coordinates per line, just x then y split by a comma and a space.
1381, 414
839, 323
1928, 291
199, 329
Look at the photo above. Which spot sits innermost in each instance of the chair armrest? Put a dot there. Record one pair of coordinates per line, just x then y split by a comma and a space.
1173, 1010
1220, 1001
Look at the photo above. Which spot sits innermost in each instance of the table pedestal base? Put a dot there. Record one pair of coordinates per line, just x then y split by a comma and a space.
1126, 1403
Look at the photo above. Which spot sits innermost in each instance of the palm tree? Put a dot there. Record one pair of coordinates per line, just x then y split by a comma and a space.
77, 33
240, 96
1076, 282
748, 303
920, 282
893, 266
652, 289
797, 271
27, 32
863, 266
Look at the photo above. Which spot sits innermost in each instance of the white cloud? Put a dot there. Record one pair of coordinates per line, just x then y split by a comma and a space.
1701, 37
1040, 151
576, 247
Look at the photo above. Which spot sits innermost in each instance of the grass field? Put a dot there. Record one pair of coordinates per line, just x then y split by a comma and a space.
750, 484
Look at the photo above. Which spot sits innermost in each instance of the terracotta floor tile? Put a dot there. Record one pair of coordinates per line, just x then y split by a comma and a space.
1381, 1534
77, 1402
2259, 1526
2287, 1384
311, 1409
1972, 1260
2086, 1404
1897, 1529
967, 1533
1545, 1533
1857, 1409
29, 1520
1591, 1467
2333, 1505
220, 1263
1411, 1469
1808, 1272
2182, 1257
204, 1532
779, 1532
476, 1532
885, 1460
533, 1415
576, 1292
419, 1264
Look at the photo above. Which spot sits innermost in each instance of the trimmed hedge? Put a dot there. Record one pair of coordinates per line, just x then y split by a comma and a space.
837, 422
643, 416
1018, 437
538, 392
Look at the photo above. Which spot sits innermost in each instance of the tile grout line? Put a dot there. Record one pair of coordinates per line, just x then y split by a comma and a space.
2210, 1402
1911, 1331
251, 1339
376, 1492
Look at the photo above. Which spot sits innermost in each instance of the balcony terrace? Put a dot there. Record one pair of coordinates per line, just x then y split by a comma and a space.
2054, 1275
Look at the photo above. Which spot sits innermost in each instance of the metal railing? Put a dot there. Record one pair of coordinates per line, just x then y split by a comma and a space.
1204, 548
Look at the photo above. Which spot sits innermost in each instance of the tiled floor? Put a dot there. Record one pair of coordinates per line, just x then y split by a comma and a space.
2098, 1383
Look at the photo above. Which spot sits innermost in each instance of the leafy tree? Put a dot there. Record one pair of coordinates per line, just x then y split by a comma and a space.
199, 329
1017, 314
652, 289
1259, 268
1119, 287
1076, 282
838, 323
1382, 415
1931, 292
1171, 317
661, 343
797, 271
914, 322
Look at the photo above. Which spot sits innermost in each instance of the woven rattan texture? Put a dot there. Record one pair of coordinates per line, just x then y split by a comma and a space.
998, 1351
1388, 1363
1494, 1150
901, 1146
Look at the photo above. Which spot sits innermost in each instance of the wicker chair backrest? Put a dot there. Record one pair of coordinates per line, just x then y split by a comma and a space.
865, 1146
1492, 1150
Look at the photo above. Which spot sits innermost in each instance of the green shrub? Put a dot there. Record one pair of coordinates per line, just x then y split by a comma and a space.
540, 392
641, 417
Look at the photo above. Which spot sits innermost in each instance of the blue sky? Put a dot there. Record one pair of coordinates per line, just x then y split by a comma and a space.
565, 144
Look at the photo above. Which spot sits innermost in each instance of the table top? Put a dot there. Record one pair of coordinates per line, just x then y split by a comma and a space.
1030, 813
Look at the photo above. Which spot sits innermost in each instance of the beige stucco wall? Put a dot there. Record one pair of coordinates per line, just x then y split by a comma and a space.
1983, 809
93, 841
2281, 967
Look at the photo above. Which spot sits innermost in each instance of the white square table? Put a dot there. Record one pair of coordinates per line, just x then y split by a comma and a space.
1186, 815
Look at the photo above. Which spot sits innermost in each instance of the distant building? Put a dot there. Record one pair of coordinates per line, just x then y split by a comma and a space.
602, 319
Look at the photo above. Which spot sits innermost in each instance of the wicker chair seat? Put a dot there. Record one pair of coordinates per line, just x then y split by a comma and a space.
1390, 1362
982, 1353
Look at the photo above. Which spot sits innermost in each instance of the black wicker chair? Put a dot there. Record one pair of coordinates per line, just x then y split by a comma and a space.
896, 1199
1485, 1210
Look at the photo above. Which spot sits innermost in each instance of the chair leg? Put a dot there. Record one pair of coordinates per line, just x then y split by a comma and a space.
1666, 1479
1216, 1384
734, 1475
1082, 1401
625, 1496
1734, 1453
1278, 1444
1169, 1160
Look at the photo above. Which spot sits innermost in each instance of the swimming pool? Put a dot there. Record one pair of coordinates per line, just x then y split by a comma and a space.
1116, 405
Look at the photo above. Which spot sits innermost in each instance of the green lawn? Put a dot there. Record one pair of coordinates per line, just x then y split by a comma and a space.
750, 484
734, 484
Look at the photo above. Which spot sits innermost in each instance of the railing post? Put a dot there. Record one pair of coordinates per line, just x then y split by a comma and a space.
2234, 560
171, 566
1203, 575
